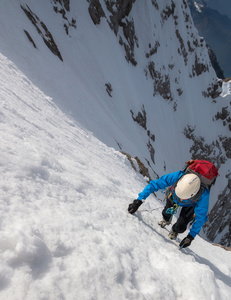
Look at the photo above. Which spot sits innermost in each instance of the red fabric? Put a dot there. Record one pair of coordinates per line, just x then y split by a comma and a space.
205, 168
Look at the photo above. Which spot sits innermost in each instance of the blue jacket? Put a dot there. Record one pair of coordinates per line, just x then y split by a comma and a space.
201, 206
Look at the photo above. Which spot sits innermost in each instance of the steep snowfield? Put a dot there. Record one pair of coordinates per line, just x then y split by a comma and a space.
93, 56
64, 229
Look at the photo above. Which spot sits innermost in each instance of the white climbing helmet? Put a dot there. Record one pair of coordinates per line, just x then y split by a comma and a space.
187, 186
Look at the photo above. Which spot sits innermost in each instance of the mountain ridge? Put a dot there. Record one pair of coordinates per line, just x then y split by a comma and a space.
215, 28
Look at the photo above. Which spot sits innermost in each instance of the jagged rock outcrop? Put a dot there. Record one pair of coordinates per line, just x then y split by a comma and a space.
119, 10
218, 226
215, 63
213, 90
64, 3
60, 7
63, 7
118, 19
161, 82
42, 31
109, 89
141, 119
225, 116
95, 11
216, 151
30, 38
138, 166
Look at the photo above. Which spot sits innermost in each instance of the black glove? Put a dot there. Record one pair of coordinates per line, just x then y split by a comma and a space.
132, 207
186, 241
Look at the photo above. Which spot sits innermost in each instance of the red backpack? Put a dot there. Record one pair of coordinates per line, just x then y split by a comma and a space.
204, 169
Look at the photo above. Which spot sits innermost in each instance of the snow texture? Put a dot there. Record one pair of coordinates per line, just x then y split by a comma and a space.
65, 233
65, 230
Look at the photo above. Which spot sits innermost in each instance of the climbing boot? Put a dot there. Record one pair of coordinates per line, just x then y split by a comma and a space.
172, 234
164, 223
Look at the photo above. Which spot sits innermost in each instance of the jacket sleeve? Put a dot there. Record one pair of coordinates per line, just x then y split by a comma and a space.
201, 211
159, 184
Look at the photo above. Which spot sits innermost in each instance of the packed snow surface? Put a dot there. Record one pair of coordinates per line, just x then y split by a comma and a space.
64, 229
65, 233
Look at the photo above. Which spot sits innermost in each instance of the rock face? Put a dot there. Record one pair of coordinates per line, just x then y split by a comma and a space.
215, 64
214, 152
215, 28
218, 227
225, 116
42, 31
95, 11
60, 7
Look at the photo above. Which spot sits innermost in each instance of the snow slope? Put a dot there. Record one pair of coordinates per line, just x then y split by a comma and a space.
92, 56
64, 229
166, 87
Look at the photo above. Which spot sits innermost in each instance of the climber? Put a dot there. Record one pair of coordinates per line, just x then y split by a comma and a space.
189, 189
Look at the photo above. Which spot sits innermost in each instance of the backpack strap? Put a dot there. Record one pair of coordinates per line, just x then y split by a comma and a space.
199, 194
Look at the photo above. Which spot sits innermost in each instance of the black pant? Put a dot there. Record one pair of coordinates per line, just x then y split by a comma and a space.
186, 215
